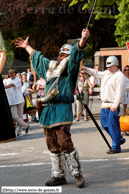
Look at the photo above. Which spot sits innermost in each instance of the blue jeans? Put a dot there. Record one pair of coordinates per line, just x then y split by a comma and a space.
110, 122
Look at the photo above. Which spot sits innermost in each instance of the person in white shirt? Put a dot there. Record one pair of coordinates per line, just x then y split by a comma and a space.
95, 81
113, 84
16, 100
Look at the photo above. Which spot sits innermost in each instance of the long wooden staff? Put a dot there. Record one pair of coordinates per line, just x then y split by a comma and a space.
93, 119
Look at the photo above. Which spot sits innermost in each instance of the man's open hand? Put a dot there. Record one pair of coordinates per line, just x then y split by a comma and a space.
22, 43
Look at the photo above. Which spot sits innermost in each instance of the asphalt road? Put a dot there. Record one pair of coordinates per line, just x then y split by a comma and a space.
26, 161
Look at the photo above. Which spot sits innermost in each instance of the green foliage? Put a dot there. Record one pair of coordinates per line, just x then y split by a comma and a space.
74, 2
48, 30
99, 3
101, 8
9, 49
4, 76
122, 24
102, 11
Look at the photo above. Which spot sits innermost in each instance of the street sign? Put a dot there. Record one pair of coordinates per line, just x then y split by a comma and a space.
127, 44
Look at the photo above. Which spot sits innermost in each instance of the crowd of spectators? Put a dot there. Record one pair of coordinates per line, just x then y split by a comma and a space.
23, 87
19, 92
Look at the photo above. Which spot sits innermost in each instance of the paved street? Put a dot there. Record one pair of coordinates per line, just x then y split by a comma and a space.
26, 161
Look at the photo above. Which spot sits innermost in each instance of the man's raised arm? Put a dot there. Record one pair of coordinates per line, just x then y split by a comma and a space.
85, 35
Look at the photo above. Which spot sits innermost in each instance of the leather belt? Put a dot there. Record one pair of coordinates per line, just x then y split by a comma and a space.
108, 102
51, 103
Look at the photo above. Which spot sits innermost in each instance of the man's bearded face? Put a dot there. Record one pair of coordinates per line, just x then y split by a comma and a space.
62, 56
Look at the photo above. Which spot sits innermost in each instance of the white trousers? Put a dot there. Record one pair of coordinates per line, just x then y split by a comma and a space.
17, 115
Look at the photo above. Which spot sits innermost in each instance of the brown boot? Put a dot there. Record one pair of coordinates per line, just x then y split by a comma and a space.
80, 182
55, 181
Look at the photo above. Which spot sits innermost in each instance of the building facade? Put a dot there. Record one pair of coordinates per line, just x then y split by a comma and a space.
121, 53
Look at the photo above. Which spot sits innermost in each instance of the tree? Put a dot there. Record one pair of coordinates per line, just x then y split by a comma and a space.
122, 24
103, 8
115, 10
49, 24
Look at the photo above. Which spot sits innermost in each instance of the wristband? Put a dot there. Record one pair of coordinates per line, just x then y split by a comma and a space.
31, 54
83, 38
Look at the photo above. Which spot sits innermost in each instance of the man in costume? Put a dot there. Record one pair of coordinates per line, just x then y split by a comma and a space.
113, 84
7, 130
57, 116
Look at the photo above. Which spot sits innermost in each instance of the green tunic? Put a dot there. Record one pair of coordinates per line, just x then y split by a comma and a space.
7, 130
59, 114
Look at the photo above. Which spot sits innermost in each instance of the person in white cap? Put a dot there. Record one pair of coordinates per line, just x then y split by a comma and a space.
113, 84
57, 117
